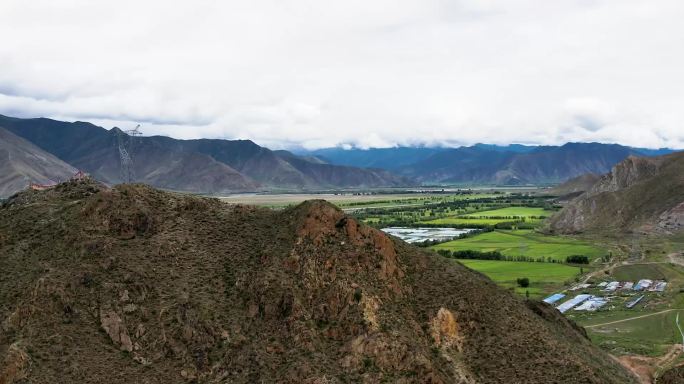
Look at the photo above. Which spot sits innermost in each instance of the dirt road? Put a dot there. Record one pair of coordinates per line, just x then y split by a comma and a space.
633, 318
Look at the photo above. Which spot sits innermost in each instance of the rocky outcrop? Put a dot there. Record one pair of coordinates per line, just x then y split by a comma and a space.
625, 174
321, 220
444, 329
111, 323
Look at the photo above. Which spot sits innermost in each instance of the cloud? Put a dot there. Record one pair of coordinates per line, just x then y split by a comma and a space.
382, 73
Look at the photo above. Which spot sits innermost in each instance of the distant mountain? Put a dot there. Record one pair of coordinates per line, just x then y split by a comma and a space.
550, 164
224, 166
640, 193
203, 166
396, 158
158, 161
655, 152
465, 164
392, 159
283, 169
544, 164
22, 162
513, 164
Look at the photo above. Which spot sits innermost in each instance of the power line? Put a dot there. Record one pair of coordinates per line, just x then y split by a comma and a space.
126, 141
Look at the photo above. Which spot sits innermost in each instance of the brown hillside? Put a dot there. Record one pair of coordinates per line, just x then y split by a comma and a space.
576, 185
640, 193
135, 285
22, 162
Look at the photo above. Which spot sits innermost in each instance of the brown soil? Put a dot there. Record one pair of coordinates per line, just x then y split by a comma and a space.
646, 367
642, 366
135, 285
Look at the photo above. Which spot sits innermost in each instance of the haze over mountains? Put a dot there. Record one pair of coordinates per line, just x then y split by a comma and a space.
215, 166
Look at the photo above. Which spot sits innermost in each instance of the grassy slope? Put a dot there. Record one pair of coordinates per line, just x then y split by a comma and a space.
650, 335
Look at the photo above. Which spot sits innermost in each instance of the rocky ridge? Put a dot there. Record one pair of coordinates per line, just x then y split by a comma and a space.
644, 194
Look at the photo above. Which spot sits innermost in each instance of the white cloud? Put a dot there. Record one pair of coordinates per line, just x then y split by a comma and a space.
380, 73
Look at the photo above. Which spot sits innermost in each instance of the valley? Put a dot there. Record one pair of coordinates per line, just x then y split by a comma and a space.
611, 268
306, 192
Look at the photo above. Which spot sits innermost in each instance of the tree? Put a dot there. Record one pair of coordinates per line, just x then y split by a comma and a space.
523, 282
577, 259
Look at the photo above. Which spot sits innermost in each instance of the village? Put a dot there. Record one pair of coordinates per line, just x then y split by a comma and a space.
598, 296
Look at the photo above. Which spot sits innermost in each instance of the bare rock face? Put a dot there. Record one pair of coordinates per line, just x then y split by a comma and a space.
112, 324
444, 329
627, 173
323, 220
673, 219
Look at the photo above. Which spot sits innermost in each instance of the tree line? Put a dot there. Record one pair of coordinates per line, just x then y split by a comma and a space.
496, 255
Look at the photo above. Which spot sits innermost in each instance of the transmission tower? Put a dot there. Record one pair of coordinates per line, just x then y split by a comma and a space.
126, 140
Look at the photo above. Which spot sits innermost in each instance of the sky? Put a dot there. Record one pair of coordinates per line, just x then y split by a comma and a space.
381, 73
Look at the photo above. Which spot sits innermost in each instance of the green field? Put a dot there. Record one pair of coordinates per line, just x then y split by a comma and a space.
544, 277
493, 216
513, 212
524, 243
355, 201
465, 221
639, 271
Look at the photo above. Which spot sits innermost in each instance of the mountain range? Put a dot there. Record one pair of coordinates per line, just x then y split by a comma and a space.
216, 166
135, 285
203, 166
489, 164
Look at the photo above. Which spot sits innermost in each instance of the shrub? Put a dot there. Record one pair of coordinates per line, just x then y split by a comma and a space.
577, 259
